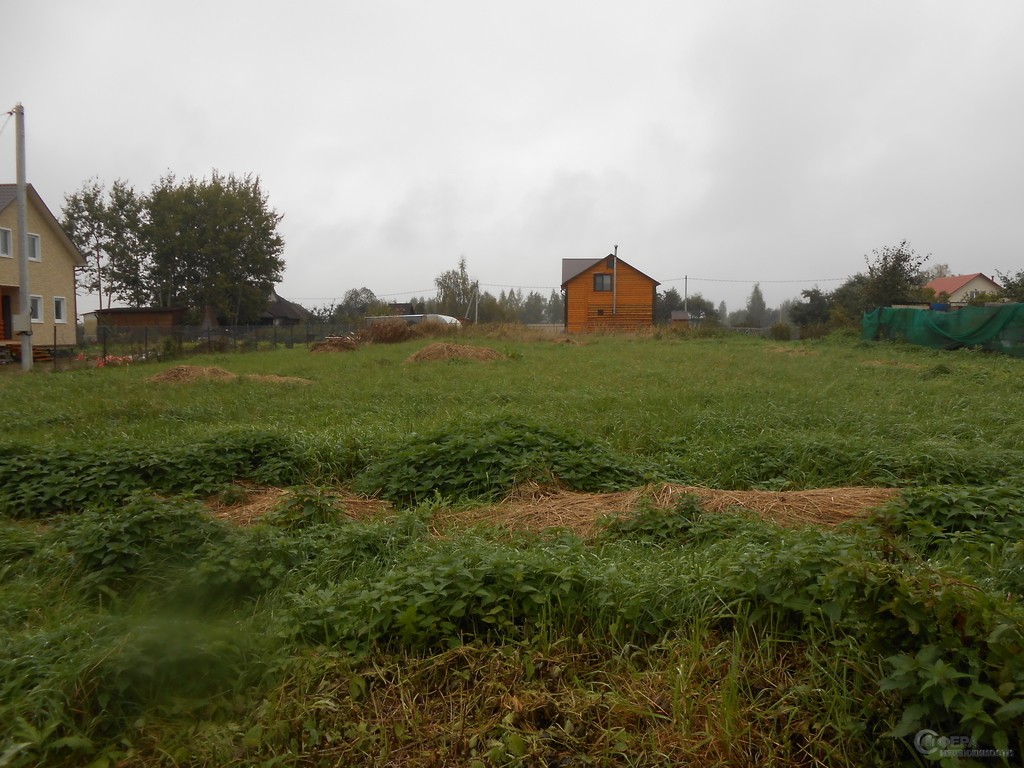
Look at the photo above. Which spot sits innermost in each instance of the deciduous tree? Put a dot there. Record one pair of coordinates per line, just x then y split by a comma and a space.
214, 243
894, 276
1013, 285
85, 222
813, 310
454, 290
193, 243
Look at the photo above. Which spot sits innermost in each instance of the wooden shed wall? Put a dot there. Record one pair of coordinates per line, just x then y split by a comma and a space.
167, 319
590, 310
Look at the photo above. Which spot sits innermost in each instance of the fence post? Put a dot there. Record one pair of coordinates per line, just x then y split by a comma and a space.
55, 347
145, 342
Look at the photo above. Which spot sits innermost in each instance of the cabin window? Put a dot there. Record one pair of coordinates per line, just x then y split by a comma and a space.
60, 309
35, 308
5, 244
34, 253
602, 282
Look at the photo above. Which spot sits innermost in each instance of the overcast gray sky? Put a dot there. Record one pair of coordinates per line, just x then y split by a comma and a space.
730, 141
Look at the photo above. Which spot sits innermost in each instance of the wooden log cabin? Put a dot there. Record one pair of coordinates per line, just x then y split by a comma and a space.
606, 294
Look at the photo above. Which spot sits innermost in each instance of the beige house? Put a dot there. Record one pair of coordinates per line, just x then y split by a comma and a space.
962, 288
53, 259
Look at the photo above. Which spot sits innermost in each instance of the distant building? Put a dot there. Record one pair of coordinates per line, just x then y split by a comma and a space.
606, 294
52, 261
963, 288
283, 312
401, 308
680, 318
133, 317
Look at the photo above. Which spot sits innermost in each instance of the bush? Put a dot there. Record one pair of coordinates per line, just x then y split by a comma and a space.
781, 332
450, 593
489, 457
389, 332
37, 481
305, 506
146, 534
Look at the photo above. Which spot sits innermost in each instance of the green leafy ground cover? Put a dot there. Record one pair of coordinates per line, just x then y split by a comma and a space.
136, 630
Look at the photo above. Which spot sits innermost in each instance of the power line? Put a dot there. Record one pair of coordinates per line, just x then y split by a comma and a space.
719, 280
425, 291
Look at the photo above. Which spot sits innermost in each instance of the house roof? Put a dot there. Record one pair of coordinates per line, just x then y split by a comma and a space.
574, 267
9, 194
284, 309
138, 310
954, 283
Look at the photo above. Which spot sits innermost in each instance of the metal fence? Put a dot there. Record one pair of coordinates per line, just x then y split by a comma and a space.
149, 342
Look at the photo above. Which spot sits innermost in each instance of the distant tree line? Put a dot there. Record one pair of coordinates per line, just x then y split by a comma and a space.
192, 243
459, 295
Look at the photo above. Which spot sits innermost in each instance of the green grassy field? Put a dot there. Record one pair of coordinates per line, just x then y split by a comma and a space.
138, 631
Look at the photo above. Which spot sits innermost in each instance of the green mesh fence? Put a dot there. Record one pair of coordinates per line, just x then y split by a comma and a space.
1000, 329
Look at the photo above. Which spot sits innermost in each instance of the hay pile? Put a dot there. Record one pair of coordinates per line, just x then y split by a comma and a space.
260, 501
336, 344
444, 351
537, 509
271, 378
190, 373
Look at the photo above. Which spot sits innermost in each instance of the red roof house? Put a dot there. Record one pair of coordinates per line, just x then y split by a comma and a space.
963, 288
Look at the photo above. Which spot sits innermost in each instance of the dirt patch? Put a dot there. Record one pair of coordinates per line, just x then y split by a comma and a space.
273, 379
892, 362
336, 344
538, 509
445, 351
190, 373
261, 500
792, 350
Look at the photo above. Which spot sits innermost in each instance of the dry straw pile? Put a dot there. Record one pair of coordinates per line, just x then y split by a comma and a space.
189, 374
443, 351
186, 374
537, 509
336, 344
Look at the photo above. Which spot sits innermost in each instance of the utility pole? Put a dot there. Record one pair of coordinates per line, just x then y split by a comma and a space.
23, 322
686, 292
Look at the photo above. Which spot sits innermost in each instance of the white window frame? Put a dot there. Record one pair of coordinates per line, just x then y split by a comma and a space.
36, 301
62, 316
8, 252
35, 246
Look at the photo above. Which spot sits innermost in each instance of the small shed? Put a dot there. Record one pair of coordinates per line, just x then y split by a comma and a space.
680, 318
134, 317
